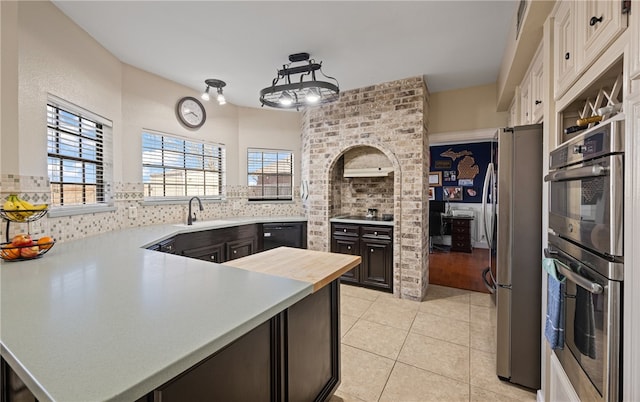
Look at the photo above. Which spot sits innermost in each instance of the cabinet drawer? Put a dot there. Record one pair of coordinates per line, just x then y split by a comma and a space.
459, 230
344, 229
460, 223
377, 232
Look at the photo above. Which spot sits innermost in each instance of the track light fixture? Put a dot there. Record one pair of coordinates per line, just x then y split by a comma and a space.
218, 84
305, 91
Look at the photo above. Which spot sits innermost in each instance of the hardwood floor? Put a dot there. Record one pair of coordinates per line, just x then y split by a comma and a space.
459, 270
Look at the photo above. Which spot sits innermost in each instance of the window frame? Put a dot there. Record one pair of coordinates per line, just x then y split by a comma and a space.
263, 197
172, 199
103, 159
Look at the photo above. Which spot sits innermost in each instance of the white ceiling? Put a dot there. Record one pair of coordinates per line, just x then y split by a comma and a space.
453, 44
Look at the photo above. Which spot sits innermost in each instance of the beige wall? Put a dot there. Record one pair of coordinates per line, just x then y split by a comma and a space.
267, 128
55, 56
465, 109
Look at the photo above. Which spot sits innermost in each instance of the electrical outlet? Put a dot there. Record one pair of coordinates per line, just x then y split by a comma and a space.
133, 212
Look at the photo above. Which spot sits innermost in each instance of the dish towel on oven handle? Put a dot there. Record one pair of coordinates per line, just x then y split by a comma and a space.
584, 323
554, 323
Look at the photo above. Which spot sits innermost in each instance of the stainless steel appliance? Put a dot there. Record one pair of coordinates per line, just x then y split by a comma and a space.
516, 243
586, 234
591, 355
585, 203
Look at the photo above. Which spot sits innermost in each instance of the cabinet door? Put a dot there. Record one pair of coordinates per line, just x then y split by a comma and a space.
564, 61
634, 50
525, 100
377, 260
212, 253
242, 371
241, 248
537, 110
599, 23
347, 245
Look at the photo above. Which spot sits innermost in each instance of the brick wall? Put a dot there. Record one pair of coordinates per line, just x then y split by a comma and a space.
391, 118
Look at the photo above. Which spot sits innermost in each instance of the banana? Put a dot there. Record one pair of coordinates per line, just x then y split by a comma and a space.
9, 206
30, 206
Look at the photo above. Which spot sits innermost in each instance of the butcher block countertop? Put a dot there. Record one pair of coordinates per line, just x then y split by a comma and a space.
316, 267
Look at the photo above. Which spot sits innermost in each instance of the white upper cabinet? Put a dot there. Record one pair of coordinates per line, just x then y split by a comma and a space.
599, 23
564, 44
583, 30
536, 94
634, 54
525, 100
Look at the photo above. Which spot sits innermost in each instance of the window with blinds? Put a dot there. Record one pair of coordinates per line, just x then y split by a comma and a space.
177, 167
270, 175
77, 155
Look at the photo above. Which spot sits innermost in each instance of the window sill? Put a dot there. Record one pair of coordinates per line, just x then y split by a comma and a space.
57, 212
271, 201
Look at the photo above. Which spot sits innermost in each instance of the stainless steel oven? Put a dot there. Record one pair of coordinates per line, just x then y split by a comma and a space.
586, 197
591, 356
586, 191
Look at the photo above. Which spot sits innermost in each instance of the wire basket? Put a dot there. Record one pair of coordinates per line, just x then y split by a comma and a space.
11, 252
22, 215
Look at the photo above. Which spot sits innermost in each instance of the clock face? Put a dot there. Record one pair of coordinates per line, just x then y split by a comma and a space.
191, 112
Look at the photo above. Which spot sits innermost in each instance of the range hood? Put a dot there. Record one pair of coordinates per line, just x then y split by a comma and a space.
368, 172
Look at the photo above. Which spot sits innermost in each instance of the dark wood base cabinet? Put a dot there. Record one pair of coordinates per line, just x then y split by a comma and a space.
294, 356
375, 245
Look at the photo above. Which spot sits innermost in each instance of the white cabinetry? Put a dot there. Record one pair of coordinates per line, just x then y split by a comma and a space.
560, 388
634, 52
525, 100
599, 23
564, 60
582, 32
536, 94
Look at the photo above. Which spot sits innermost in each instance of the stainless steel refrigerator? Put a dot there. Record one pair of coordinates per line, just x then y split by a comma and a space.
514, 234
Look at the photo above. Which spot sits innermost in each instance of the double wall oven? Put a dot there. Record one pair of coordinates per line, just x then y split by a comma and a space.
586, 236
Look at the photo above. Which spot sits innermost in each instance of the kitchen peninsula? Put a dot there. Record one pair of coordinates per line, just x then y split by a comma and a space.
103, 318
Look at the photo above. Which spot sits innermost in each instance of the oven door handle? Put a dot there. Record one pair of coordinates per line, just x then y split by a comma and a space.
581, 281
577, 173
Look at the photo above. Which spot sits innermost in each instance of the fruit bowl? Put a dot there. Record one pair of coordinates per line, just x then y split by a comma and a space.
23, 215
11, 252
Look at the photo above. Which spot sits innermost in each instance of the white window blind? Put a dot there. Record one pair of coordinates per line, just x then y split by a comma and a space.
78, 155
178, 167
270, 174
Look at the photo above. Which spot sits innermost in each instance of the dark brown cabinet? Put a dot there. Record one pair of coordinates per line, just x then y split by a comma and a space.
241, 248
375, 245
295, 356
461, 234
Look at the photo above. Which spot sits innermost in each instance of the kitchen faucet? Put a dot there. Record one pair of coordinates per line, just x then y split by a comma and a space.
192, 219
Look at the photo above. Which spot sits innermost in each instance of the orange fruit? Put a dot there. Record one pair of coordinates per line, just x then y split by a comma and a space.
45, 242
9, 253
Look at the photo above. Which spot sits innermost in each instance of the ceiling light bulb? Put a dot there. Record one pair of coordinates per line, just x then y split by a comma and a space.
220, 98
205, 94
286, 99
313, 95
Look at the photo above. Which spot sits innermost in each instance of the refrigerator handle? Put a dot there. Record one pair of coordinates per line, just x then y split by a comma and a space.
488, 178
491, 286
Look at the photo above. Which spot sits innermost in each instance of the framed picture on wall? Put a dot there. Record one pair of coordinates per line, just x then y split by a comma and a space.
452, 193
432, 194
435, 179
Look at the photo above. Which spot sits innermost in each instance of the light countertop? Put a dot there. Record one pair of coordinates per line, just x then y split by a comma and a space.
102, 318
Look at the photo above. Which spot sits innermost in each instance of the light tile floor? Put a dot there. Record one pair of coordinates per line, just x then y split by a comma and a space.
441, 349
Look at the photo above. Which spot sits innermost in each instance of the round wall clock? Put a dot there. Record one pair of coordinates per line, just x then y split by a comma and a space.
190, 112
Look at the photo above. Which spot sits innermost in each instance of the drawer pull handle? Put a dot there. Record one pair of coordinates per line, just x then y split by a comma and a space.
538, 102
213, 257
344, 230
594, 20
235, 251
372, 250
375, 233
349, 248
567, 56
